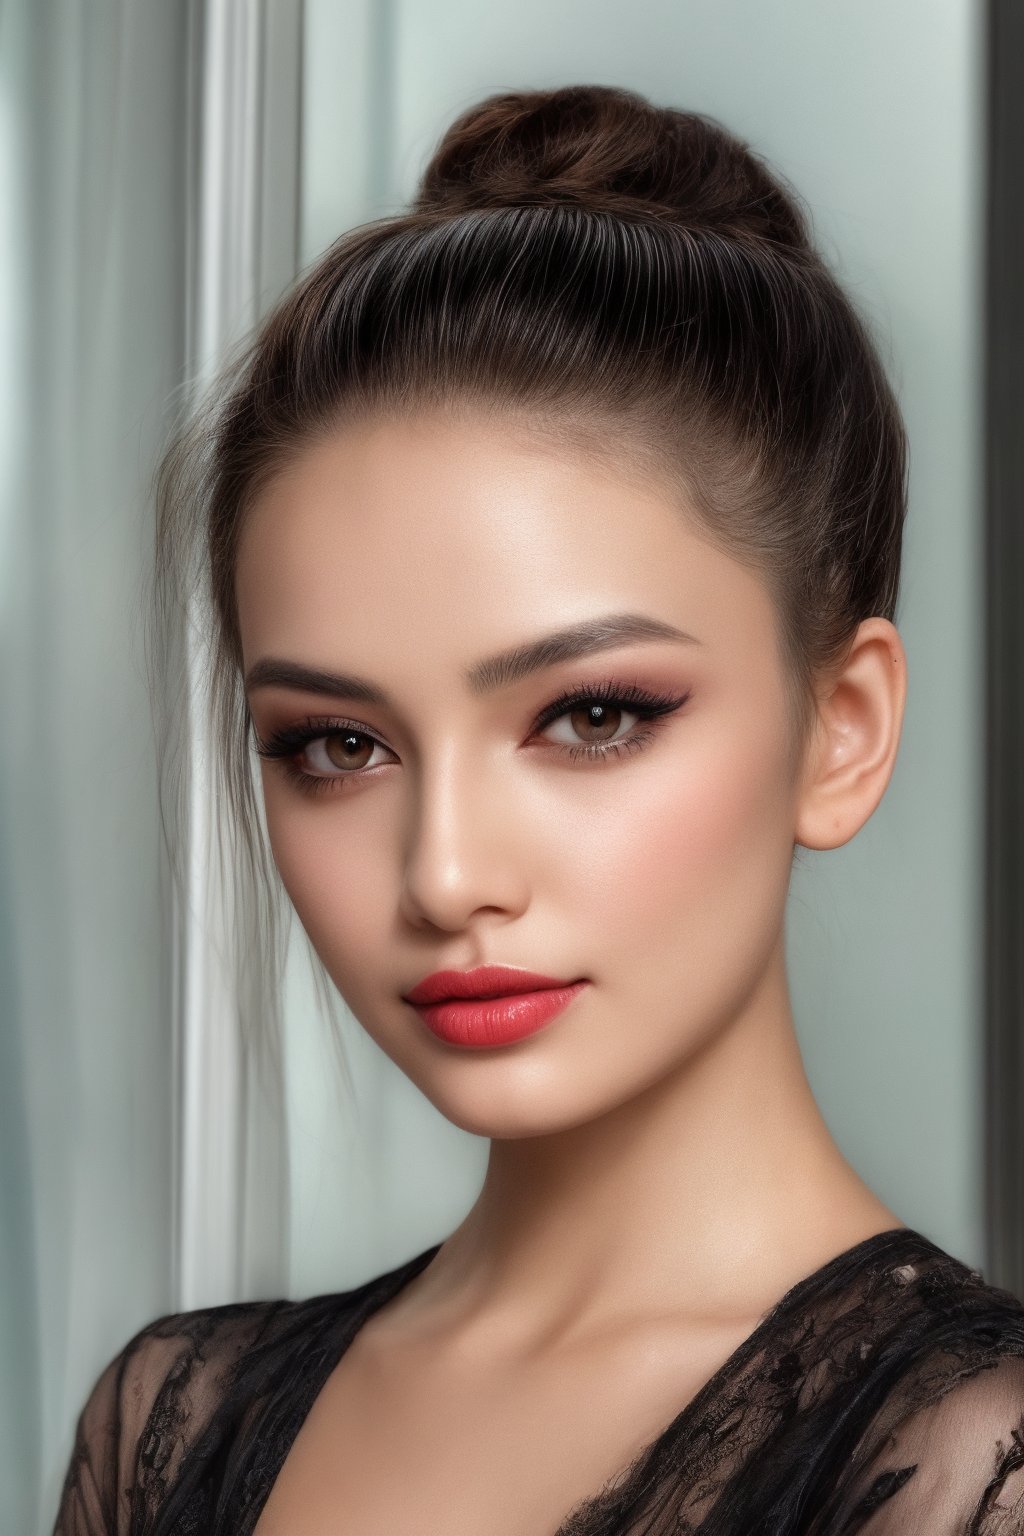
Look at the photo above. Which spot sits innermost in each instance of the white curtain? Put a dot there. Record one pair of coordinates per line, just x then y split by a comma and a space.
93, 352
147, 171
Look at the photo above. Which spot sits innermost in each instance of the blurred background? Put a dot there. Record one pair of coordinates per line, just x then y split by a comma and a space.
167, 168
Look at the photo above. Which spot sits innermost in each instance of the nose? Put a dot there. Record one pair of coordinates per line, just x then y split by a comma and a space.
464, 854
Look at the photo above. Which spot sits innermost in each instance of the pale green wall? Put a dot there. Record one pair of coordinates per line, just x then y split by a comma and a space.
873, 110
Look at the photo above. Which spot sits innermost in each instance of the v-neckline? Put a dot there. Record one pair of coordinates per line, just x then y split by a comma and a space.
385, 1287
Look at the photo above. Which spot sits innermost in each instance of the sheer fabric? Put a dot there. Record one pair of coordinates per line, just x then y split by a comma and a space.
884, 1394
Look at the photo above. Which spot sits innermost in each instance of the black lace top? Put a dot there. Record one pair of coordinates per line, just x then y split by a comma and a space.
884, 1393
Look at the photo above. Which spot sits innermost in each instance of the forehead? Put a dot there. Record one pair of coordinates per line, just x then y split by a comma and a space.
429, 537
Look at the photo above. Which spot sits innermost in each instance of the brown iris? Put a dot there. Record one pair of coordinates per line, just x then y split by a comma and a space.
598, 717
347, 749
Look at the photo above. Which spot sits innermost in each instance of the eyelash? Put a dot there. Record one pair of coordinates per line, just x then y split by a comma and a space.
286, 743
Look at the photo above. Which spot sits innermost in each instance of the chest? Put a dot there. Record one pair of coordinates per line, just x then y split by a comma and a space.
427, 1444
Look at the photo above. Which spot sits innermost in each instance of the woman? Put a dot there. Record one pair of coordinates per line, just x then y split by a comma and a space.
553, 534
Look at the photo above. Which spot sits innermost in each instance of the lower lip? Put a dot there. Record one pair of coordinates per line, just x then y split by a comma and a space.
481, 1022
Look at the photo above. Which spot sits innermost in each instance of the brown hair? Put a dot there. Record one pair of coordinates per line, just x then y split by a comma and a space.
625, 277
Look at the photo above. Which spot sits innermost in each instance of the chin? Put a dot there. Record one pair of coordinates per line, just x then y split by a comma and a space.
506, 1103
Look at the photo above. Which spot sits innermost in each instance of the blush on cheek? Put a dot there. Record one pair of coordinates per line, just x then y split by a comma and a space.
696, 855
338, 877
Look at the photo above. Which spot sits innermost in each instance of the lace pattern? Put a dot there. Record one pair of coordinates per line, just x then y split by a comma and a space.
883, 1394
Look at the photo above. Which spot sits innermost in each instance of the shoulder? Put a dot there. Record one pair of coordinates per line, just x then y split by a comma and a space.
148, 1405
945, 1456
201, 1348
184, 1387
942, 1450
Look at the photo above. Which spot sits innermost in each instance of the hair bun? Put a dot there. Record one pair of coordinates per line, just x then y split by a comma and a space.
609, 149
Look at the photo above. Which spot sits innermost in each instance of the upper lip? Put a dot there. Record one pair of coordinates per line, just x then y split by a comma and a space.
485, 981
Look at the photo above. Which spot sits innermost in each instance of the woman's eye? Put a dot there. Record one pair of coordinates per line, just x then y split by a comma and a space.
341, 751
592, 724
583, 723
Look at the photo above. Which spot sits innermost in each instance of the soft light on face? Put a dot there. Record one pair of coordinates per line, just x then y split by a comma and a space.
453, 832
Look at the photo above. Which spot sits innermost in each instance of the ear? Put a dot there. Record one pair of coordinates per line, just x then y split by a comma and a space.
852, 750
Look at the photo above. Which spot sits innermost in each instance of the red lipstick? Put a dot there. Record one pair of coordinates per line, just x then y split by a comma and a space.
492, 1005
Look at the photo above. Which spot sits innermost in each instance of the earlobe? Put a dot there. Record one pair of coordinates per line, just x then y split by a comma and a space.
850, 759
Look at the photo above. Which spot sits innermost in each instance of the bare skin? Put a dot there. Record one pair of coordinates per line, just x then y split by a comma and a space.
659, 1172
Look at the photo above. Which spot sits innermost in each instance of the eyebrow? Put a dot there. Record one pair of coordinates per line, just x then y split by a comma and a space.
492, 673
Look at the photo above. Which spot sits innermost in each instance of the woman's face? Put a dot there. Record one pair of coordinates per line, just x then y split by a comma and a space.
445, 828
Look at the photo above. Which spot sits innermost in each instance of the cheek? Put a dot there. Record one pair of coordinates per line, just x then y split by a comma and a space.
693, 861
338, 873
